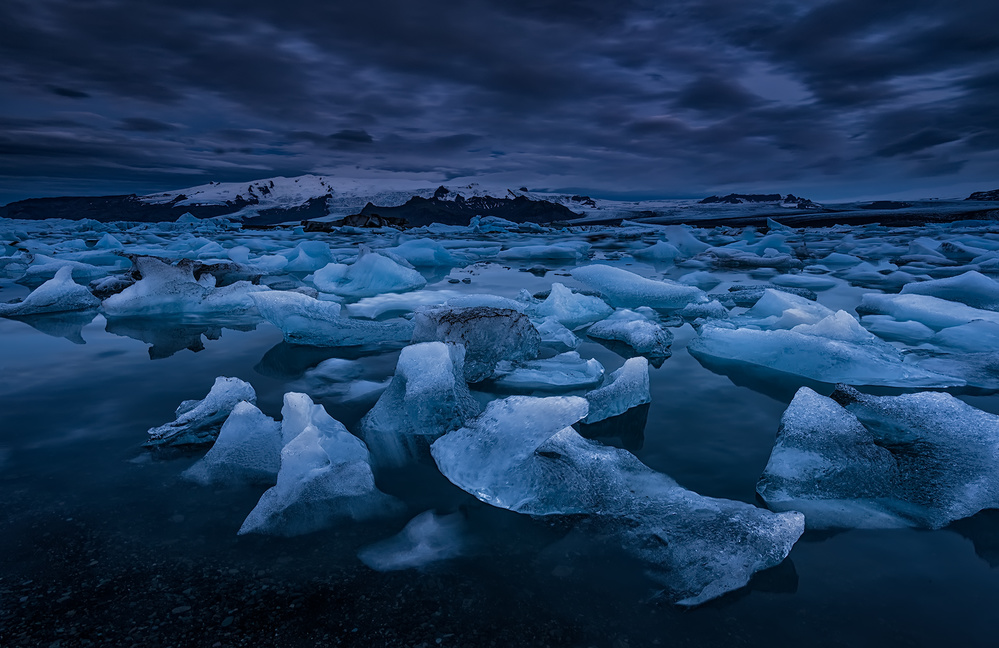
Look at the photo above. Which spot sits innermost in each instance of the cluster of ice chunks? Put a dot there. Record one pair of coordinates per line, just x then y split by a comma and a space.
172, 289
247, 450
427, 397
572, 310
325, 476
624, 389
199, 421
623, 289
637, 330
521, 454
371, 274
57, 295
309, 321
832, 350
427, 539
562, 373
488, 335
855, 460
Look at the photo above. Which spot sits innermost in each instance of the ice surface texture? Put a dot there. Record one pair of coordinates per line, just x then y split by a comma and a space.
426, 398
522, 455
629, 290
305, 320
855, 460
637, 331
325, 476
488, 335
247, 450
59, 294
199, 422
371, 274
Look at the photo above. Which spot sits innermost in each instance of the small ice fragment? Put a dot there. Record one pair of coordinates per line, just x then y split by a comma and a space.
199, 422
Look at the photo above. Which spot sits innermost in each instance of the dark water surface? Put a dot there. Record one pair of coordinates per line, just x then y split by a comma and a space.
104, 544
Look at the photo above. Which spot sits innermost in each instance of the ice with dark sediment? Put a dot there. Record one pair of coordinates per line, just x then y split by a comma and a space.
247, 450
370, 274
623, 289
166, 289
645, 336
856, 460
487, 334
305, 320
199, 421
521, 454
571, 309
562, 373
427, 539
623, 389
60, 294
835, 349
427, 397
325, 476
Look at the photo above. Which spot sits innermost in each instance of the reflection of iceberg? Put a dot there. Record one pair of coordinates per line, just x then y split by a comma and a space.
61, 325
625, 430
287, 361
168, 336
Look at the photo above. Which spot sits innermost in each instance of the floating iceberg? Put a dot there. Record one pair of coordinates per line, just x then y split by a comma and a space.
57, 295
934, 312
325, 476
571, 309
555, 335
424, 253
625, 388
637, 331
562, 373
835, 349
199, 421
247, 450
304, 320
522, 455
855, 460
629, 290
488, 335
426, 398
427, 539
371, 274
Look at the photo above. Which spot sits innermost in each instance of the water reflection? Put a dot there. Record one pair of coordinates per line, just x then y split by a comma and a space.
287, 361
61, 325
168, 336
626, 351
624, 431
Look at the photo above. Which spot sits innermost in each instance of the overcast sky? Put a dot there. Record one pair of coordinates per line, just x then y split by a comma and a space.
678, 98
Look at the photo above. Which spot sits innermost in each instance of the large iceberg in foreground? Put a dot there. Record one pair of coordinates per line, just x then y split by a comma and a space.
59, 294
835, 349
325, 476
426, 398
247, 450
488, 335
305, 320
522, 455
199, 421
629, 290
856, 460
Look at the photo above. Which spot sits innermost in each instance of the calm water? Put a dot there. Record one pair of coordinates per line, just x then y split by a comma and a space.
105, 544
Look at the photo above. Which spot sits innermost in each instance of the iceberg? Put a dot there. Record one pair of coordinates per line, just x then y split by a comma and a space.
835, 349
488, 335
624, 389
59, 294
426, 398
637, 331
553, 334
304, 320
624, 289
572, 310
247, 450
424, 253
371, 274
522, 455
855, 460
934, 312
325, 476
199, 421
564, 372
971, 288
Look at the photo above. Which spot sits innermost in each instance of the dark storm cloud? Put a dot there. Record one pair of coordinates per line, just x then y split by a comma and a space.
652, 97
